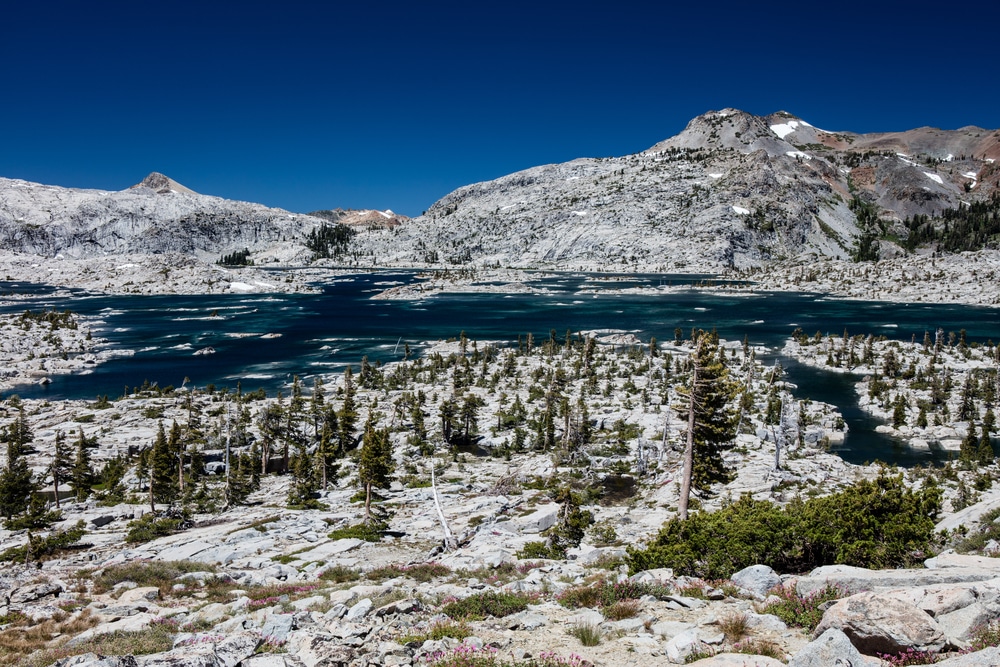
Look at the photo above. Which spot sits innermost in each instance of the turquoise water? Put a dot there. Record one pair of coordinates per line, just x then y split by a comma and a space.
322, 333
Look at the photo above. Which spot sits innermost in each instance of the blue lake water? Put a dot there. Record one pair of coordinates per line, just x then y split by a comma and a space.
322, 333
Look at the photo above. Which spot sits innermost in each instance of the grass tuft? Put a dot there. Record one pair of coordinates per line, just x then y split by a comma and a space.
588, 633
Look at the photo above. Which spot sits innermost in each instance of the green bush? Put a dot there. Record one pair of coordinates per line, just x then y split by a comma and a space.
148, 527
490, 603
801, 611
41, 548
369, 532
606, 594
873, 523
147, 573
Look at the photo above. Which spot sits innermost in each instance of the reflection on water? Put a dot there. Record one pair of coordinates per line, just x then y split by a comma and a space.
264, 341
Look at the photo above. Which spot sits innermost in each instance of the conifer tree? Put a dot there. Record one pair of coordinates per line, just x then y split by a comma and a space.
162, 482
347, 417
82, 475
60, 466
239, 484
711, 421
375, 463
16, 481
304, 485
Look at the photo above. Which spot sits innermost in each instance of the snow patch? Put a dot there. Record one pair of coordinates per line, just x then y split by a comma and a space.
949, 157
934, 177
784, 129
798, 154
741, 210
242, 287
716, 175
580, 213
971, 174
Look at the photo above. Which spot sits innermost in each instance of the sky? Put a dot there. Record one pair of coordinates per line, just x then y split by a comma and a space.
392, 105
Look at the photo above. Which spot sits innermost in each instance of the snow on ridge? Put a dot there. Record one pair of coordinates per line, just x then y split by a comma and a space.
798, 154
784, 129
934, 177
740, 210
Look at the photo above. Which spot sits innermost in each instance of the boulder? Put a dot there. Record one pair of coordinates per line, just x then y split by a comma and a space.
832, 647
737, 660
141, 594
857, 579
757, 579
989, 657
276, 627
236, 648
882, 623
35, 592
682, 646
359, 610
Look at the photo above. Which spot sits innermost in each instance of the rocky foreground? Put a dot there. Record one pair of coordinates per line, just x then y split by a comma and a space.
260, 584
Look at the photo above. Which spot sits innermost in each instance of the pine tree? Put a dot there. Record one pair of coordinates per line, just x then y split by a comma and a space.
347, 417
375, 464
239, 484
17, 485
899, 411
162, 482
302, 491
61, 466
82, 475
711, 422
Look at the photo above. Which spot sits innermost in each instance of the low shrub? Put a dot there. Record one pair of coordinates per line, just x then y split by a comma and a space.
39, 549
339, 574
146, 573
623, 609
148, 527
875, 523
605, 593
984, 636
910, 656
422, 572
439, 631
369, 532
470, 656
764, 647
489, 603
801, 611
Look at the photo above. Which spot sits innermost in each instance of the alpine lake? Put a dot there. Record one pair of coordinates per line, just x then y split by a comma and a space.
263, 340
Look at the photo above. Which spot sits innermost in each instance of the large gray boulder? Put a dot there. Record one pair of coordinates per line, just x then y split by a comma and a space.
881, 623
832, 647
737, 660
989, 657
757, 579
857, 579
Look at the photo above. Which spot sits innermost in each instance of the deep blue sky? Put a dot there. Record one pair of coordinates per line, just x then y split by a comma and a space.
394, 104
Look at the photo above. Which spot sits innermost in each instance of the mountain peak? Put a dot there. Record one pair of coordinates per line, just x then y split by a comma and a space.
162, 184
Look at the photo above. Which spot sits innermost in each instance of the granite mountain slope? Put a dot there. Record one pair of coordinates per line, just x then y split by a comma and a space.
157, 215
732, 190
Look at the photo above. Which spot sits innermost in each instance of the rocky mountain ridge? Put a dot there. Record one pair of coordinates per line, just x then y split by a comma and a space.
732, 190
157, 215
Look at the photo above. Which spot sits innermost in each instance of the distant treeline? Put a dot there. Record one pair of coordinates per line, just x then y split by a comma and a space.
968, 227
329, 240
238, 258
